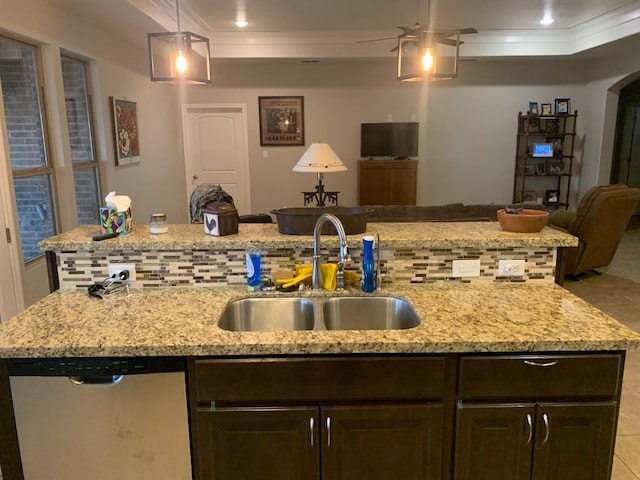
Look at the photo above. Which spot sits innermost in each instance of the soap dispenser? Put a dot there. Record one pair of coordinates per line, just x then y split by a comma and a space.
368, 266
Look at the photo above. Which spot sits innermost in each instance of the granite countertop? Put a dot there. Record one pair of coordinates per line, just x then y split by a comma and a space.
411, 235
180, 321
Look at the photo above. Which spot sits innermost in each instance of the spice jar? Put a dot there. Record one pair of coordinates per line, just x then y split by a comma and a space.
158, 224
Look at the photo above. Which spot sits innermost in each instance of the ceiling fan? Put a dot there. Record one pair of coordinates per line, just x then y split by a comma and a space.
421, 49
439, 36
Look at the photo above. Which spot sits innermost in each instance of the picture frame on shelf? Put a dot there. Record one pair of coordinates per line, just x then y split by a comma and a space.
529, 196
541, 168
528, 169
552, 196
533, 108
281, 121
546, 109
563, 106
555, 167
531, 125
549, 125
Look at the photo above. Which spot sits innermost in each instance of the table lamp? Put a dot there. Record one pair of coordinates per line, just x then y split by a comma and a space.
320, 159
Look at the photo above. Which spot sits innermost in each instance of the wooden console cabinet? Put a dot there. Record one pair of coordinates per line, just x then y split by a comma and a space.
387, 182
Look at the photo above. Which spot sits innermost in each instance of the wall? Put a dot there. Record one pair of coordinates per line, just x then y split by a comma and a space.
468, 125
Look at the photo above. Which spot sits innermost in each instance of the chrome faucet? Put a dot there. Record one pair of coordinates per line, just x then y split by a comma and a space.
316, 274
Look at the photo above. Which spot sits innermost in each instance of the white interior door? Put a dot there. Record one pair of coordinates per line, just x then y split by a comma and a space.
216, 150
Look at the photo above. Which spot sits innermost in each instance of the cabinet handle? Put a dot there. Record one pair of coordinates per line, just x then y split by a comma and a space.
530, 425
328, 431
545, 421
541, 364
311, 429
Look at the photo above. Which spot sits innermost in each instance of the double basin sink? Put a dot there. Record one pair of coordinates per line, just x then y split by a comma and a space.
278, 314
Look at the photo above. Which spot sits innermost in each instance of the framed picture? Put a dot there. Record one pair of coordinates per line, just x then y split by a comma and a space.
533, 108
528, 169
552, 196
555, 167
281, 121
549, 125
529, 196
546, 109
125, 129
563, 106
540, 168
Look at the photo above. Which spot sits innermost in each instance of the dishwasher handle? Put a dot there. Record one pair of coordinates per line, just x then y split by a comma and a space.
98, 380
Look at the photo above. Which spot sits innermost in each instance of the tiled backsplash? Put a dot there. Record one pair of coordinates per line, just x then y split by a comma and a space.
222, 268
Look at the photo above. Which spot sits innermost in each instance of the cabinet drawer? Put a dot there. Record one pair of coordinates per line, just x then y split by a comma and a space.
318, 379
540, 376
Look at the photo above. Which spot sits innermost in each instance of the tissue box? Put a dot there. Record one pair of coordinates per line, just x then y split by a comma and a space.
112, 221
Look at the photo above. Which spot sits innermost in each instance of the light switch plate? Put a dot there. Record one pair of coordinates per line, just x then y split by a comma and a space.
465, 268
511, 268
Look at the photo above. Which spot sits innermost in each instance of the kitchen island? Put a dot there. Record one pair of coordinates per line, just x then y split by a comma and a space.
520, 344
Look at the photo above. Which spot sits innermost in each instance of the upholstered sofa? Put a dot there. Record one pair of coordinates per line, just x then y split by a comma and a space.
452, 212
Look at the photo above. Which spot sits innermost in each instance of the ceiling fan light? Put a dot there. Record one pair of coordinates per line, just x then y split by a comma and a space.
428, 60
424, 55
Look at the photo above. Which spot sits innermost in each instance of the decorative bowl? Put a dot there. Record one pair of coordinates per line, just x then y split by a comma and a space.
527, 221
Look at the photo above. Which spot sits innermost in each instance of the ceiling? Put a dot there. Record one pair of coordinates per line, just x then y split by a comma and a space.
333, 28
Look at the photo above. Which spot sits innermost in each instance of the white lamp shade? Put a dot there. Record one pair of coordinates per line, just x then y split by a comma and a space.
319, 158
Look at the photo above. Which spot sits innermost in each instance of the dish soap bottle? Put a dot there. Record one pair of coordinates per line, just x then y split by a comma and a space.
368, 267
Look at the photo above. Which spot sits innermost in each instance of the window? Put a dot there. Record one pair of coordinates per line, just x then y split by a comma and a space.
33, 175
86, 171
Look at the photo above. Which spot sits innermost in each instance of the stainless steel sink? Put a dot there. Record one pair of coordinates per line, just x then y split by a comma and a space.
268, 315
369, 313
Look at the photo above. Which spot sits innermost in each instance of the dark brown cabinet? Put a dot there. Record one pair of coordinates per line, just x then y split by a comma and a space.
317, 418
544, 159
387, 182
571, 441
536, 417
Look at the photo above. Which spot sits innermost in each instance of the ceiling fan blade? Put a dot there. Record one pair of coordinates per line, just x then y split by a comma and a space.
377, 39
450, 42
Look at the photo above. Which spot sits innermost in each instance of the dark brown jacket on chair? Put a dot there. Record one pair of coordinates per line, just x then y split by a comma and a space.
599, 223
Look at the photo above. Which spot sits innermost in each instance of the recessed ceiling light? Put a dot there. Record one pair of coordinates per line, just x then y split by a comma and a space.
241, 23
547, 20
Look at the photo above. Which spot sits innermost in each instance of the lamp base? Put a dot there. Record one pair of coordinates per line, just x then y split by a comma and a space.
320, 195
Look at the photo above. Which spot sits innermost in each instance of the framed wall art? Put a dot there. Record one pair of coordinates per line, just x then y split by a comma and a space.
126, 133
281, 121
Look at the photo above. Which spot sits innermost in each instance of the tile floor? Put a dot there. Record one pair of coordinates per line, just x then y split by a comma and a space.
617, 292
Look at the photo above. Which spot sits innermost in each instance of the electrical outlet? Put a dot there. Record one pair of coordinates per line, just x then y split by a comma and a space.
465, 268
116, 269
511, 268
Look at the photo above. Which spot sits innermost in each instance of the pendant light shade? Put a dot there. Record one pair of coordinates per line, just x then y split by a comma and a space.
179, 57
422, 57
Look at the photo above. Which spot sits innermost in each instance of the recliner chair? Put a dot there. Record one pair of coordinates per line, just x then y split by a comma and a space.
599, 223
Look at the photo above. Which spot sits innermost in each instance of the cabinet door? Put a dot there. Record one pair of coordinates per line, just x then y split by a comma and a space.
494, 441
258, 444
574, 441
382, 442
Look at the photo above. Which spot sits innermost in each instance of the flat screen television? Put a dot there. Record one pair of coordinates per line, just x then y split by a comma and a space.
391, 139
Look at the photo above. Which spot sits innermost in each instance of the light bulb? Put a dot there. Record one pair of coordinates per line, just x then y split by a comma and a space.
428, 60
181, 62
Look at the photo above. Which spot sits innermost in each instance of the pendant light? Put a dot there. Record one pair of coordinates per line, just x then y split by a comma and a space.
179, 57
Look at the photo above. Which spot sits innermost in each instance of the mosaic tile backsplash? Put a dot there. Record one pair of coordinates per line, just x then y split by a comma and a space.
78, 269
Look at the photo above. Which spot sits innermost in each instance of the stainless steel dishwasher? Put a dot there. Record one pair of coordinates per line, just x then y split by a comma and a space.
101, 418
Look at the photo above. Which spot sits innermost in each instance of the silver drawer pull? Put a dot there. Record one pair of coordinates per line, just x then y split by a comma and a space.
328, 431
545, 420
541, 364
311, 429
530, 425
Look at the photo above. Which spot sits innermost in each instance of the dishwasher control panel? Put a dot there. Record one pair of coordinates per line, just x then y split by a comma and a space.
93, 366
